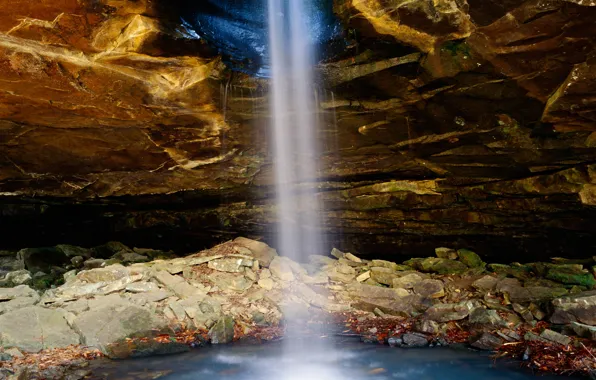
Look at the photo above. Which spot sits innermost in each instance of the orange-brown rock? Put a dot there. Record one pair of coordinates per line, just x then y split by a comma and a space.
445, 123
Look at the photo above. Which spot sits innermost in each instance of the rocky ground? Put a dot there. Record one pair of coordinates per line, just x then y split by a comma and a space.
119, 302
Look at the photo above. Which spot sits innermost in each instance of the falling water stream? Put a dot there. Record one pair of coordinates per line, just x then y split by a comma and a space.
294, 120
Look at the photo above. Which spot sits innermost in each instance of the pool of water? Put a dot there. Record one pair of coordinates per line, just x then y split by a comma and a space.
346, 359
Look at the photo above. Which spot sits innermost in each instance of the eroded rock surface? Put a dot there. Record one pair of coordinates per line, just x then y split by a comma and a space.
468, 123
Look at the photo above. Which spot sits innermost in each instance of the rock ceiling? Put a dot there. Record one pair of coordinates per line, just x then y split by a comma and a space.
444, 121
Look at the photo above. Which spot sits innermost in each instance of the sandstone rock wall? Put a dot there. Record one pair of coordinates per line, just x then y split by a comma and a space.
469, 124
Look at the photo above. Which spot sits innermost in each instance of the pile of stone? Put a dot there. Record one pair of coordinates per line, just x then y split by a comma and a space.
243, 285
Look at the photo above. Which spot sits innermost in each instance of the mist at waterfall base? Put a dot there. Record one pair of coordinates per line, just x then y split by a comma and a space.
295, 155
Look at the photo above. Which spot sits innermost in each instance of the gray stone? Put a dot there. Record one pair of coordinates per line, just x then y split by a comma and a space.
450, 312
337, 253
577, 308
70, 275
555, 337
430, 288
383, 275
230, 264
427, 326
77, 307
408, 281
222, 331
486, 283
266, 283
281, 268
111, 324
583, 330
229, 281
94, 263
18, 277
487, 317
487, 342
7, 294
141, 287
107, 274
414, 340
351, 257
389, 265
18, 303
131, 257
153, 296
35, 328
259, 250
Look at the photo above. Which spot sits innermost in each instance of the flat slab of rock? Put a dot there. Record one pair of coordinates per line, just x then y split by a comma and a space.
104, 326
7, 294
34, 328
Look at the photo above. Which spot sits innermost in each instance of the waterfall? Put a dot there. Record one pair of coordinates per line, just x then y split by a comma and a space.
294, 125
295, 154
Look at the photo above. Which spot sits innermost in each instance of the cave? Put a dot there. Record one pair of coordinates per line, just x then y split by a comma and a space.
461, 125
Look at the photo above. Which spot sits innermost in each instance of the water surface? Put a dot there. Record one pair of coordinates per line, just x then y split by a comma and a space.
349, 360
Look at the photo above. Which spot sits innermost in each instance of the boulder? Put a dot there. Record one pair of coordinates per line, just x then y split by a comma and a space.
408, 281
34, 328
18, 277
446, 253
471, 259
112, 323
429, 288
577, 308
281, 268
441, 266
222, 331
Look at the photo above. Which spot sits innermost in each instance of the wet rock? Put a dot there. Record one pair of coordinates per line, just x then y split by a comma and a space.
446, 253
450, 312
429, 288
222, 331
144, 348
578, 308
487, 342
469, 258
34, 328
523, 311
414, 340
520, 294
77, 261
112, 322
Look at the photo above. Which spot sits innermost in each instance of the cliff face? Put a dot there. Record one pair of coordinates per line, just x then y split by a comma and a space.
446, 122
